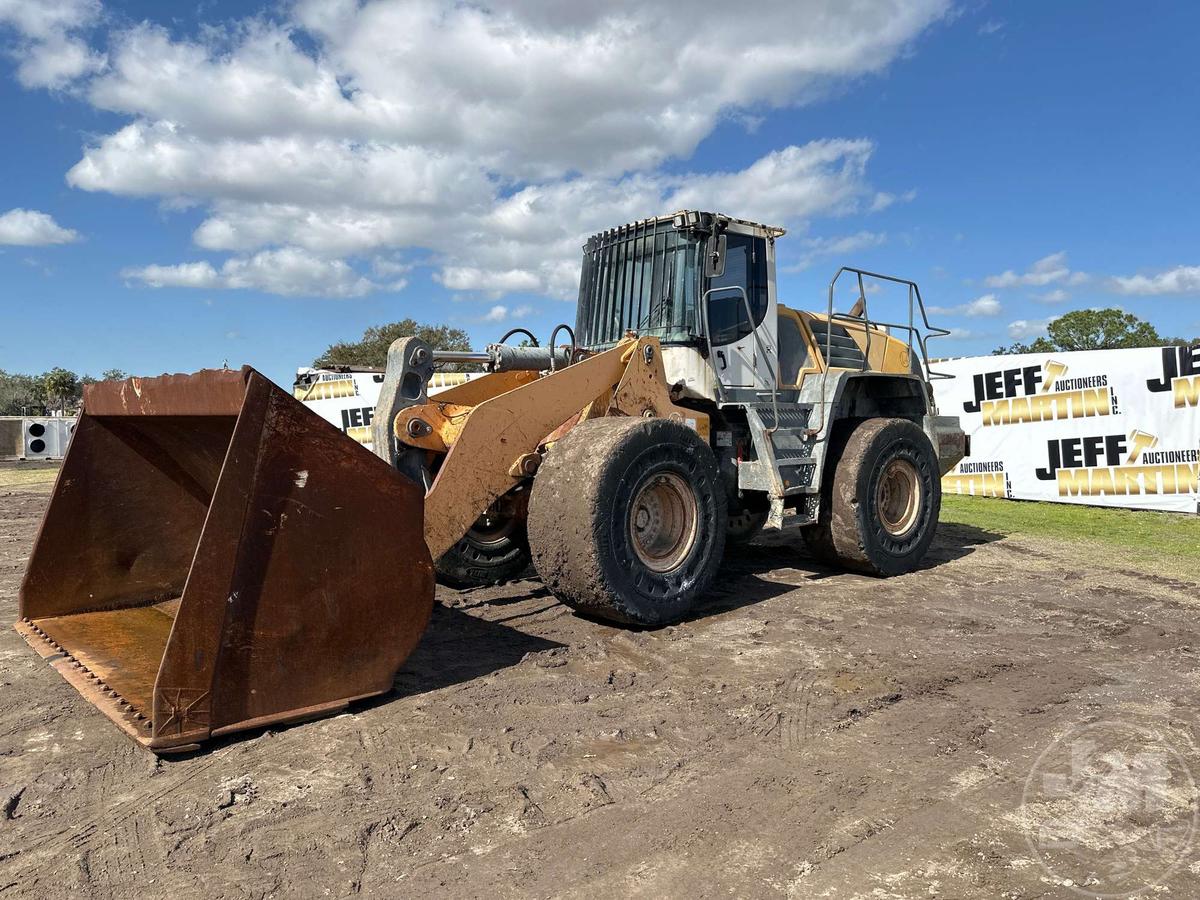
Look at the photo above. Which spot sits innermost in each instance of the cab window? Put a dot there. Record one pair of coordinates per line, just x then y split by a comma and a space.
746, 267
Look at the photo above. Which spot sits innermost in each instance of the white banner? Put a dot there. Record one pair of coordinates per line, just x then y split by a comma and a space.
1101, 427
347, 399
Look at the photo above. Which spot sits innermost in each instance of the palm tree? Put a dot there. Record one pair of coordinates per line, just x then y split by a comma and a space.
61, 385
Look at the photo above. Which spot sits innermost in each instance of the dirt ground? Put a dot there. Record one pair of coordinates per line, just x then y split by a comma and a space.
808, 733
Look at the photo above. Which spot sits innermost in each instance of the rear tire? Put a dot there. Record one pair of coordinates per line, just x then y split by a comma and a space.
627, 519
879, 510
492, 552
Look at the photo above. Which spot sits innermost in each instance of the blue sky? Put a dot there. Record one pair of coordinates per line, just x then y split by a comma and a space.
179, 192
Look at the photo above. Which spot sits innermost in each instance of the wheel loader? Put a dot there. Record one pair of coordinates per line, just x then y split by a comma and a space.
216, 557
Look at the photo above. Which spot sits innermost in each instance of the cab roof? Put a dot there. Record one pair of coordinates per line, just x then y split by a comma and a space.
690, 219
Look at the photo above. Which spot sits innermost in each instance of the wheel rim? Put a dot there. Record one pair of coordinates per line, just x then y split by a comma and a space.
491, 529
663, 522
898, 497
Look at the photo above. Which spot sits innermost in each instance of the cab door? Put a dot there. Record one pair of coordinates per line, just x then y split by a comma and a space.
741, 309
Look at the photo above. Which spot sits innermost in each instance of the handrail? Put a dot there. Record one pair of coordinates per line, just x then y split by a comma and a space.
915, 332
914, 293
758, 339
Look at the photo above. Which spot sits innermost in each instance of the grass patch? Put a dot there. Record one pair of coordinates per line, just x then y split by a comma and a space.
18, 475
1149, 541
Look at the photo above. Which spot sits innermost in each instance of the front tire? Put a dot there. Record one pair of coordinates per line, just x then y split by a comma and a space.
495, 550
627, 520
880, 509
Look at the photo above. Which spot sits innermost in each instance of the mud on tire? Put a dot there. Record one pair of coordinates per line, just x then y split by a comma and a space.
627, 519
879, 510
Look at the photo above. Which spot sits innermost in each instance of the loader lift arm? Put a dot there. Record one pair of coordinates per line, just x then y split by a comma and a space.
485, 435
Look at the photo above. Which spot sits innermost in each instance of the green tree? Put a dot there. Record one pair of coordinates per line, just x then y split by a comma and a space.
372, 349
21, 394
1040, 345
37, 394
1091, 329
62, 386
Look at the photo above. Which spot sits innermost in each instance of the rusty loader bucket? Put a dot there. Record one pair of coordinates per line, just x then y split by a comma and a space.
217, 557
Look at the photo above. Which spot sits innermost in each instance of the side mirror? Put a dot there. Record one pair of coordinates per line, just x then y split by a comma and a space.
714, 257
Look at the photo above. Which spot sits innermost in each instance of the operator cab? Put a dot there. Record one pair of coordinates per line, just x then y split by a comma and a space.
703, 284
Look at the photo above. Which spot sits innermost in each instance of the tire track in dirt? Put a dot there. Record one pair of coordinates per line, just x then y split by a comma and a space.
643, 820
96, 826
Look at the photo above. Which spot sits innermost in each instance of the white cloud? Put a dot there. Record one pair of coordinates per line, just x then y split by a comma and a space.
818, 177
1052, 269
462, 278
192, 275
539, 97
1027, 328
385, 267
492, 140
883, 199
1179, 280
1058, 295
291, 271
30, 228
845, 244
987, 305
163, 159
841, 246
288, 271
50, 52
528, 241
393, 270
749, 123
501, 313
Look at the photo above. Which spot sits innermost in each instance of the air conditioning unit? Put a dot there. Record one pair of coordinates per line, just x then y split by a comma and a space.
47, 438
